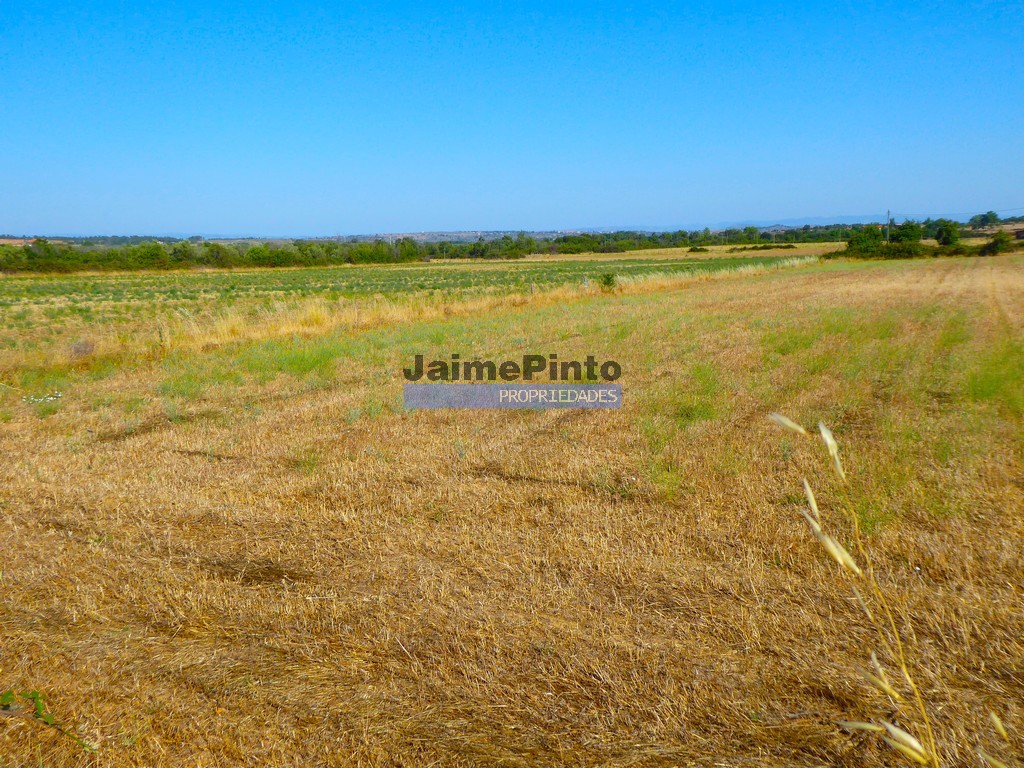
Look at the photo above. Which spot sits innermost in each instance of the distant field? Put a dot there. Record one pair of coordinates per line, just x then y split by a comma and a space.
42, 317
225, 542
714, 252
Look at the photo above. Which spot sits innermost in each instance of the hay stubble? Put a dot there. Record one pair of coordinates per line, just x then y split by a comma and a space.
282, 575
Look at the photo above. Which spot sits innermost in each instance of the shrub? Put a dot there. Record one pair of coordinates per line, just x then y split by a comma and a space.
907, 232
864, 239
606, 281
902, 250
1001, 242
957, 249
947, 232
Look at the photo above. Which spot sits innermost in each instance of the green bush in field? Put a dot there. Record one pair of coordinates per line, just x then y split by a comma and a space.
1001, 242
864, 239
903, 250
907, 232
947, 232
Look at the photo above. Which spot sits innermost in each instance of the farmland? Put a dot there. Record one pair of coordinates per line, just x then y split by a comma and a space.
225, 541
43, 317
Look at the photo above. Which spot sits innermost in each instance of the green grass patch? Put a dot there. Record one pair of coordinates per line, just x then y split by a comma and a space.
998, 376
294, 357
188, 385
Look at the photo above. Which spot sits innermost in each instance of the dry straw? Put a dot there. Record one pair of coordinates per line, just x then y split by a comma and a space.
897, 738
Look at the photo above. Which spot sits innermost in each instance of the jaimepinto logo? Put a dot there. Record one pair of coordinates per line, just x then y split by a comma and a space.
457, 369
442, 383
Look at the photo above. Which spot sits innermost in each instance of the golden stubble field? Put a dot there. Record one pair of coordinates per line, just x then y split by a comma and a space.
292, 570
712, 252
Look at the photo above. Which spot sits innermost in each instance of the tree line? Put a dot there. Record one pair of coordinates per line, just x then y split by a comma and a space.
137, 253
904, 241
165, 254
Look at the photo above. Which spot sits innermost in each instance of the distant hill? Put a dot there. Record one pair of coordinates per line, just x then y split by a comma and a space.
472, 236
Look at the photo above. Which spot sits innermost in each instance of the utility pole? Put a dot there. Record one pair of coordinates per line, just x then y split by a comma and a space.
888, 219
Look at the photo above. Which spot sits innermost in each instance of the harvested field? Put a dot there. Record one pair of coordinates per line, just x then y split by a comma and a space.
241, 550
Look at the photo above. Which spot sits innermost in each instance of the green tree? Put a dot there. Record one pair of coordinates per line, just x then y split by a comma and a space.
183, 253
907, 232
867, 238
983, 220
218, 255
151, 255
1001, 242
947, 232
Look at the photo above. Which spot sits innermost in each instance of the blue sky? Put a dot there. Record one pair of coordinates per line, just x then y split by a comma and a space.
318, 119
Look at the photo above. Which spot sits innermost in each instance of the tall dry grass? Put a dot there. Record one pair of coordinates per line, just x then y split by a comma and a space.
877, 608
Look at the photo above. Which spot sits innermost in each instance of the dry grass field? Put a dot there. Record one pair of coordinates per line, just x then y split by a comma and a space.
713, 252
237, 548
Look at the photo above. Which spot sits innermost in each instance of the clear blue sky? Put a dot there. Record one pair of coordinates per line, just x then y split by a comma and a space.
282, 118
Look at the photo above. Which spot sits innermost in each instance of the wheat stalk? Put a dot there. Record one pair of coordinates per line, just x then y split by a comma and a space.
897, 738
